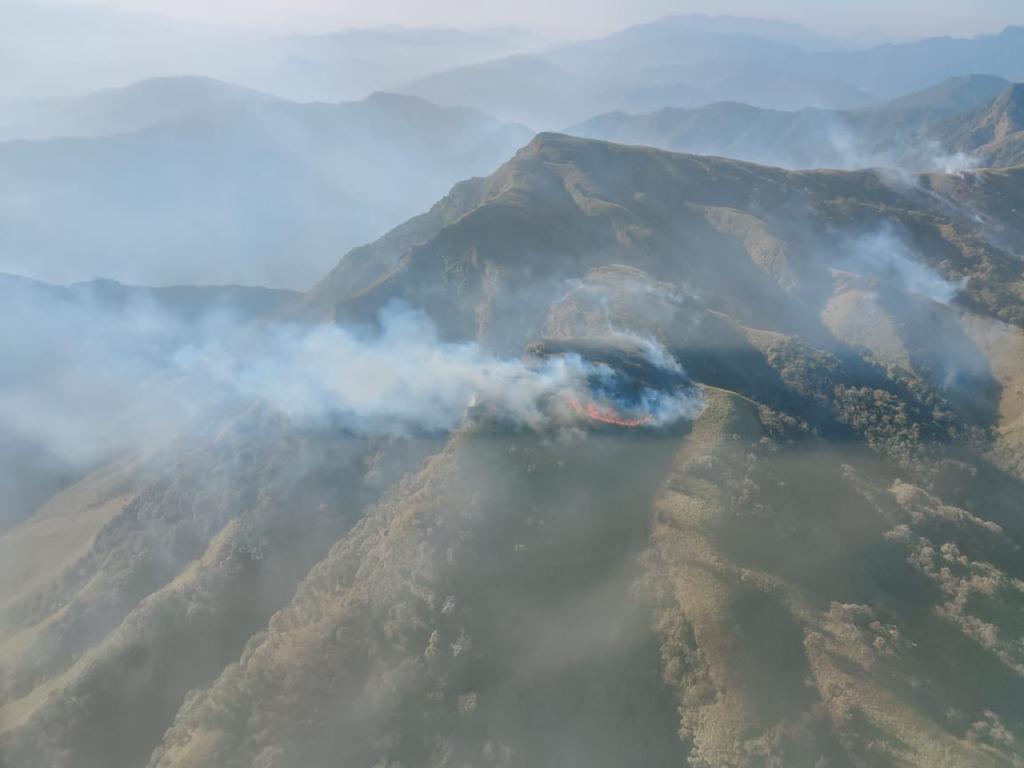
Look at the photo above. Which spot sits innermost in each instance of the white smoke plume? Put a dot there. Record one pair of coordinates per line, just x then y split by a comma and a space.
130, 376
405, 377
884, 255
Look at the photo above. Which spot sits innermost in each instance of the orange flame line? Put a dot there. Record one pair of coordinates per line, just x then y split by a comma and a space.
605, 415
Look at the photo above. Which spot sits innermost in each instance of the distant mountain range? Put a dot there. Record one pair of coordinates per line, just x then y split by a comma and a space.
817, 564
351, 63
191, 179
678, 61
55, 49
888, 71
197, 181
123, 110
973, 120
687, 62
951, 96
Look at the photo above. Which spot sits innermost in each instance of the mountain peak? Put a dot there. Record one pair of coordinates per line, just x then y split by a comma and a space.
548, 143
551, 139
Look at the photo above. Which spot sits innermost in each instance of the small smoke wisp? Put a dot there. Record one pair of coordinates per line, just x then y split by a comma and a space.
943, 161
886, 256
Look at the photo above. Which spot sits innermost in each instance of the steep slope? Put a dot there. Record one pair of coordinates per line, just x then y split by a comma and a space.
803, 595
506, 641
189, 557
735, 230
238, 192
815, 564
993, 133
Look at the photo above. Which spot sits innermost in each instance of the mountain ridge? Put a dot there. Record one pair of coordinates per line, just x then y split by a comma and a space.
122, 110
560, 87
222, 169
945, 130
786, 574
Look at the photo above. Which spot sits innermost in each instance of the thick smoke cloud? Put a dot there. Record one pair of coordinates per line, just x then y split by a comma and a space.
130, 378
404, 377
87, 376
82, 379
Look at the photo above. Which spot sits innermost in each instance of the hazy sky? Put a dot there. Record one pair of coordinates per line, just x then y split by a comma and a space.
575, 18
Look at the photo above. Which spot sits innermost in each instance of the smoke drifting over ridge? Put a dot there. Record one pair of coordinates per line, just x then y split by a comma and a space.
884, 255
751, 524
136, 374
406, 377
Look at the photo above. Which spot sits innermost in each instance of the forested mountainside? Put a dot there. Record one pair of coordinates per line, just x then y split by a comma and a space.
776, 522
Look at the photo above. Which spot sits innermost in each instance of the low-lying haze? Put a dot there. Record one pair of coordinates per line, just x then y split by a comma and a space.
576, 18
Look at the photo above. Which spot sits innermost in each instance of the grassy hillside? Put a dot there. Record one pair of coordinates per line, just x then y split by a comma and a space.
819, 565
